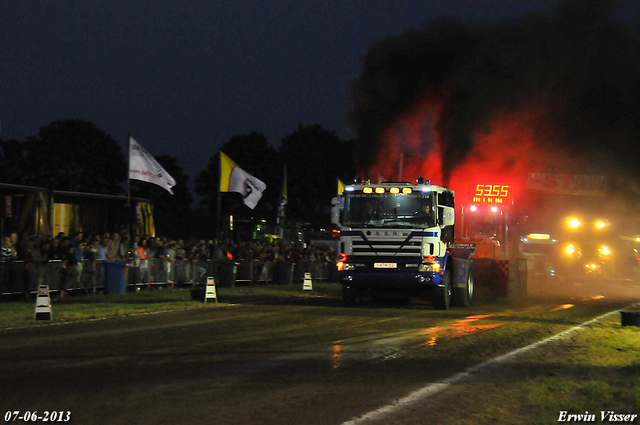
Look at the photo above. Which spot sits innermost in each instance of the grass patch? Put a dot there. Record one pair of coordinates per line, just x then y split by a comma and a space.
82, 307
599, 371
549, 396
596, 369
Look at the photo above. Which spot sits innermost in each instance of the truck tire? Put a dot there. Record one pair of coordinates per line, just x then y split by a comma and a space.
442, 296
350, 296
463, 297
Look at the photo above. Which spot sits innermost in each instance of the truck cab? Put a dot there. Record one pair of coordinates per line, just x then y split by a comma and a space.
396, 237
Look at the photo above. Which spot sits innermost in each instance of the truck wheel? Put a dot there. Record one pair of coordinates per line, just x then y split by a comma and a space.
442, 300
350, 296
464, 296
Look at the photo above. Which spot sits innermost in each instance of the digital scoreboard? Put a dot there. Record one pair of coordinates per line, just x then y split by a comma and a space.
491, 194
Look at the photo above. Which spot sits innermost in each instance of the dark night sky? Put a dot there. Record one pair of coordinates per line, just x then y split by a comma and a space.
184, 76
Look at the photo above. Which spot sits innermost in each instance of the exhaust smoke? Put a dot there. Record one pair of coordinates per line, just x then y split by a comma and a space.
545, 92
557, 95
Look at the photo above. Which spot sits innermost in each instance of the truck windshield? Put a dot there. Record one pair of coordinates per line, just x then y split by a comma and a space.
389, 210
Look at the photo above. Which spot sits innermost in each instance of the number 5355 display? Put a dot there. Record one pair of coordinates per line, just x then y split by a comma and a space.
491, 193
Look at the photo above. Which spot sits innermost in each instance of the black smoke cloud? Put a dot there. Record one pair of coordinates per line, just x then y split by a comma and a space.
580, 65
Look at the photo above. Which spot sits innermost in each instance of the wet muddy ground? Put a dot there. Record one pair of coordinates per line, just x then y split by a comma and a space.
309, 361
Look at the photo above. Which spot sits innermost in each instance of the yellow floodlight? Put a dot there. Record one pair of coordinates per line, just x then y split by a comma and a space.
573, 223
604, 251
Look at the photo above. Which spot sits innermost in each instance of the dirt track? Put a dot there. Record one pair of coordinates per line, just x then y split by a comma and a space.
315, 363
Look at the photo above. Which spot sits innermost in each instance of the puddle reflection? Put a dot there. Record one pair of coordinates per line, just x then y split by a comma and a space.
460, 328
384, 347
563, 307
336, 362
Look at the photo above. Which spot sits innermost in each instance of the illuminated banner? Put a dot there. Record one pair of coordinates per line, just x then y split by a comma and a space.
567, 184
494, 194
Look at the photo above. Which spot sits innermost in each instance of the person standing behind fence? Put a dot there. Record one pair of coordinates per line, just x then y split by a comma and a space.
143, 261
54, 246
113, 247
7, 274
124, 250
168, 258
134, 252
155, 253
72, 269
102, 255
63, 247
78, 254
77, 237
192, 256
90, 267
26, 254
179, 272
102, 250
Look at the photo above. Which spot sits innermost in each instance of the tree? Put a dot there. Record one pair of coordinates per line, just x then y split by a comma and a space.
11, 161
74, 155
315, 159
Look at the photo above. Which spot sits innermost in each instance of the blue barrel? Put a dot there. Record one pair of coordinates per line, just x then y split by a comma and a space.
116, 277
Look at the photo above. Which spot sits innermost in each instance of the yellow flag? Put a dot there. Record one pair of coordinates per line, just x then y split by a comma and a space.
340, 187
226, 167
235, 179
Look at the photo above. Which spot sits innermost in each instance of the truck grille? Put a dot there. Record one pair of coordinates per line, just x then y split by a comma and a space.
386, 248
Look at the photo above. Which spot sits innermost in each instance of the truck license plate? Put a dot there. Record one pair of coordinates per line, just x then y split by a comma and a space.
385, 265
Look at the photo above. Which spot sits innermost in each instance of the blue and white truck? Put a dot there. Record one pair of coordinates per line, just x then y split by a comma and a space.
397, 237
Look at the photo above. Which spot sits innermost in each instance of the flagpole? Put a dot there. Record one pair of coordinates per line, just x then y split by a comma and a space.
128, 206
281, 213
216, 248
129, 171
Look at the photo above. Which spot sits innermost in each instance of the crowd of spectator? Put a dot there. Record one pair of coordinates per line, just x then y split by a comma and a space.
81, 249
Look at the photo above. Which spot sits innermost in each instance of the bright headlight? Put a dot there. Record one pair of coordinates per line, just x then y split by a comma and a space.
573, 223
604, 251
429, 267
342, 266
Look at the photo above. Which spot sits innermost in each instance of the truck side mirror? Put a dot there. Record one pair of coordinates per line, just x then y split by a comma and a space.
447, 216
335, 211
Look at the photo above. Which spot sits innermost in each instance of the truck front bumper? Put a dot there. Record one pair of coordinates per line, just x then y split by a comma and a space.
390, 281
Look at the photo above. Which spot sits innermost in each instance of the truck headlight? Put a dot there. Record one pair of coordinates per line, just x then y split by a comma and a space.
429, 267
343, 266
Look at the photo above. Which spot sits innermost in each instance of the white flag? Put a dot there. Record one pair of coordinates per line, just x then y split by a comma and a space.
143, 166
235, 179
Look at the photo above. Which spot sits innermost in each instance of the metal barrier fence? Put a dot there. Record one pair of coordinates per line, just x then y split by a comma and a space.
248, 272
18, 277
